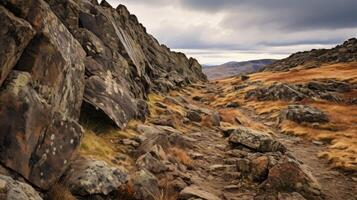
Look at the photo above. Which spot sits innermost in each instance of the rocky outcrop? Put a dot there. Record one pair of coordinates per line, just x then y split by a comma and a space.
41, 100
123, 62
303, 113
267, 162
329, 90
61, 61
347, 52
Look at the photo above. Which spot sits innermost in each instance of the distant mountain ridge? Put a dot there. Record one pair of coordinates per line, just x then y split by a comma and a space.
235, 68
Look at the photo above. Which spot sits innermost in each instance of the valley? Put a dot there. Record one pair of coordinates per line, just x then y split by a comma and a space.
92, 106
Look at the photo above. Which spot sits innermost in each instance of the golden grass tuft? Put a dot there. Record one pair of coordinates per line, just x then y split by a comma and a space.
60, 192
181, 156
97, 147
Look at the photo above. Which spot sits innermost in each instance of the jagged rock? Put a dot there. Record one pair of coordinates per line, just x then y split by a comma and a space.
145, 185
255, 140
330, 86
104, 93
36, 144
55, 61
195, 192
194, 116
92, 177
280, 91
289, 175
117, 43
15, 190
304, 113
15, 34
298, 92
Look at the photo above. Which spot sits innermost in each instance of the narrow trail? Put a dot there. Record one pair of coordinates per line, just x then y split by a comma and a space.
215, 173
335, 184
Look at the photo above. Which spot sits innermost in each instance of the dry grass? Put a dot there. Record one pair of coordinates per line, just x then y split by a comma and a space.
181, 155
60, 192
340, 133
236, 117
96, 147
342, 71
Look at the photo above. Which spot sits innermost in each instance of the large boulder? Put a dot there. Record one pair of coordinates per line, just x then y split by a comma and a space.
34, 143
11, 189
15, 34
289, 175
255, 140
40, 103
88, 177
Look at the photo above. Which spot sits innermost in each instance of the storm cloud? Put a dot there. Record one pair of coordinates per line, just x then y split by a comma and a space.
273, 28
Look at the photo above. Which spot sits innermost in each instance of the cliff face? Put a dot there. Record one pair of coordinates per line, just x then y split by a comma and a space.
62, 60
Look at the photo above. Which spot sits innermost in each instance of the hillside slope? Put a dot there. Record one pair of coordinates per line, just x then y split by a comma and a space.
93, 107
345, 52
235, 68
67, 63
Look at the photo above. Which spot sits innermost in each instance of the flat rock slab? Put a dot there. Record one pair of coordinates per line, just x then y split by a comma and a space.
196, 192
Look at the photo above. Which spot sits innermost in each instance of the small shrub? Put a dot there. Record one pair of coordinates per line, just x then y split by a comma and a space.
60, 192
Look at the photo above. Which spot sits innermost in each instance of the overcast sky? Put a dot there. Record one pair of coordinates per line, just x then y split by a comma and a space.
218, 31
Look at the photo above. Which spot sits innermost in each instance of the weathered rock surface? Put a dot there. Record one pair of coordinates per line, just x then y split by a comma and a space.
92, 177
34, 143
15, 190
326, 90
255, 140
15, 34
61, 61
303, 113
125, 62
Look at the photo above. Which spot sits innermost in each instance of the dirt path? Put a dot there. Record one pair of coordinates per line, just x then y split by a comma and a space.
335, 185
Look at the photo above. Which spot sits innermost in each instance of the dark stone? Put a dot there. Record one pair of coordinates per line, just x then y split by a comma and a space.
194, 116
